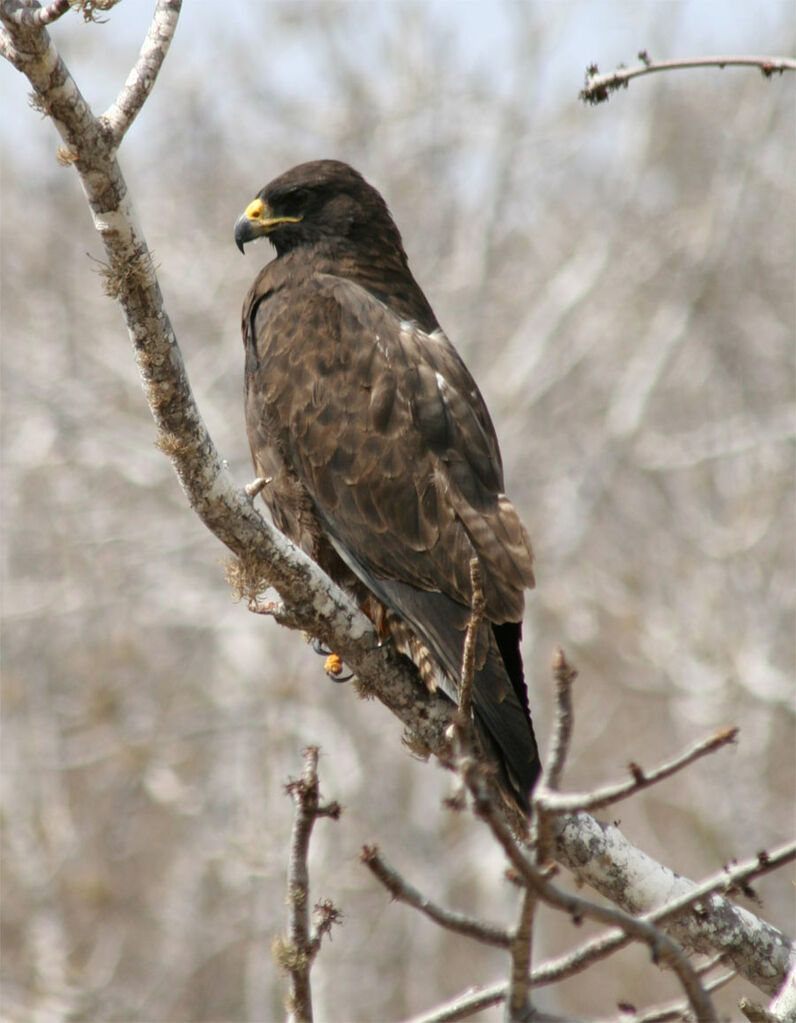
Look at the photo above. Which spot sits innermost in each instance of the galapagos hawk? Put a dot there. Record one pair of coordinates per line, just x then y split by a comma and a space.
382, 460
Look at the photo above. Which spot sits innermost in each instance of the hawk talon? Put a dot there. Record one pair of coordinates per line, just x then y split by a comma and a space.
319, 648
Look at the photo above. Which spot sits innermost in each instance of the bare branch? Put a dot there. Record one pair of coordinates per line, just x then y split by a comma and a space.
541, 825
296, 953
677, 1009
661, 945
564, 677
521, 949
574, 802
256, 486
402, 891
599, 87
121, 114
464, 1005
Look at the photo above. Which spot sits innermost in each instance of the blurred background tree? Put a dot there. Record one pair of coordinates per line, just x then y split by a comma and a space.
620, 282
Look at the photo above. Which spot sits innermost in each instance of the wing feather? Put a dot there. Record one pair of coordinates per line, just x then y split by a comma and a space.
392, 440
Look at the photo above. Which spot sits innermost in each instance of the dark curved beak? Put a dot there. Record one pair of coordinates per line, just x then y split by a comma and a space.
244, 231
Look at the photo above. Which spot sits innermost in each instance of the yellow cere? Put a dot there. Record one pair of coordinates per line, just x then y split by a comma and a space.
255, 209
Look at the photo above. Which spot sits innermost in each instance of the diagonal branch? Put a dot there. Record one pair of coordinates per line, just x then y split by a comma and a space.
402, 891
599, 855
121, 114
573, 802
600, 947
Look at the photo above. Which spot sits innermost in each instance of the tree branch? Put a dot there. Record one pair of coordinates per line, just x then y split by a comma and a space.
296, 953
121, 114
402, 891
564, 677
573, 802
38, 17
677, 1010
600, 856
518, 1005
661, 946
599, 87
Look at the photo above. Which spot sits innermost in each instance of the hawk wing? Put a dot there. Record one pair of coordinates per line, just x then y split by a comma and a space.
376, 430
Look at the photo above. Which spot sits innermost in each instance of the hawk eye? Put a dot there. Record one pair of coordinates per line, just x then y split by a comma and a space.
295, 200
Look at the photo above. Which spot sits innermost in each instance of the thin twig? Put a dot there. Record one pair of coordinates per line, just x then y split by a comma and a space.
466, 1004
599, 87
402, 891
256, 486
563, 676
677, 1009
541, 819
123, 111
464, 716
574, 802
296, 953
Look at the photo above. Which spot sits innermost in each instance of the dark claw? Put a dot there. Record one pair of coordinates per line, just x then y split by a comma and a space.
319, 648
340, 678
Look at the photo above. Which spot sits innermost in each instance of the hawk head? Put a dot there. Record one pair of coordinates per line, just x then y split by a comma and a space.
324, 203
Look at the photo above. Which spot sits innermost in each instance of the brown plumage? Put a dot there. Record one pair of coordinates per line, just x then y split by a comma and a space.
383, 460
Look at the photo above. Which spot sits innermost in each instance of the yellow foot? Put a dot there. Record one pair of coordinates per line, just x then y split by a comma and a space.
333, 665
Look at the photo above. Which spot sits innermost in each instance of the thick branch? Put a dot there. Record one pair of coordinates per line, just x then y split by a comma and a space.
599, 855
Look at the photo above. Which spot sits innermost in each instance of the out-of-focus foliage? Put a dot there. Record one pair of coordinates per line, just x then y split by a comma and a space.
621, 283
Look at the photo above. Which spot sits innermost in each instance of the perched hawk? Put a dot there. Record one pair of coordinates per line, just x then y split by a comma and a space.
382, 458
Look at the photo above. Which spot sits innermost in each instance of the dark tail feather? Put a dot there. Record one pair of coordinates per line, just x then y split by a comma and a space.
500, 697
503, 713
